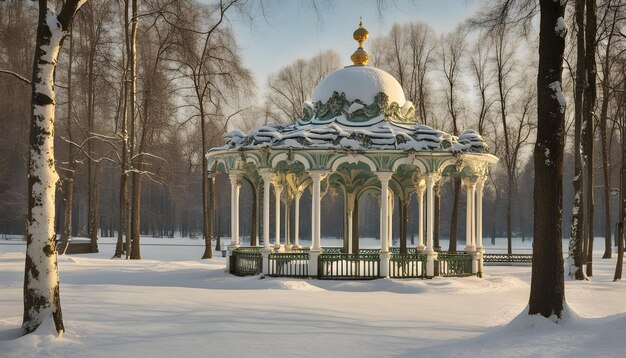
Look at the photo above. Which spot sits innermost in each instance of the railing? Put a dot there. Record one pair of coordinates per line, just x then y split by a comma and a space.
506, 258
332, 250
451, 265
409, 250
369, 251
407, 266
248, 249
288, 264
348, 266
246, 262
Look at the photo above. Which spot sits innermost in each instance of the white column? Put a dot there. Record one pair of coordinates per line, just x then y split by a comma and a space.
296, 220
390, 220
267, 185
479, 212
316, 202
384, 210
384, 221
420, 220
288, 245
349, 231
316, 246
235, 186
277, 192
431, 254
479, 225
469, 225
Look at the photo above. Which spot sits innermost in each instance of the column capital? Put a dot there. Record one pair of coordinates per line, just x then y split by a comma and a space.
432, 177
470, 182
421, 188
384, 176
278, 189
265, 173
235, 174
317, 174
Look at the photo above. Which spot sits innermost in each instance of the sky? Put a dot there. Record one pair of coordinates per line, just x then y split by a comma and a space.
292, 29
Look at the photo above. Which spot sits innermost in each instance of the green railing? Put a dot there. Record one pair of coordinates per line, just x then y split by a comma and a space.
246, 262
454, 265
332, 250
506, 258
348, 266
248, 249
288, 264
407, 266
409, 250
369, 251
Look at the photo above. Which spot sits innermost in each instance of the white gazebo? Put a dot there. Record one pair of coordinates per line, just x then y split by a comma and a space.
359, 134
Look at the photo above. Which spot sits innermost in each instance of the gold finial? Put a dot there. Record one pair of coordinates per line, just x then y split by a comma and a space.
360, 56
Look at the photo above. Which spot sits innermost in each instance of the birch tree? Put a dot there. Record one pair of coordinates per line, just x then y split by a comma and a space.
41, 279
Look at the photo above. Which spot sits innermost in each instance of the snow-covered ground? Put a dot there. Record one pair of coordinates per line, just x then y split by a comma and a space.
171, 304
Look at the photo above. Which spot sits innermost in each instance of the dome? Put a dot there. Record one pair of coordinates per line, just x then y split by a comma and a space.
359, 82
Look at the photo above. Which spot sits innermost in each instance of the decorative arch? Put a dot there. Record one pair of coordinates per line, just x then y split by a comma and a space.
289, 158
351, 159
410, 160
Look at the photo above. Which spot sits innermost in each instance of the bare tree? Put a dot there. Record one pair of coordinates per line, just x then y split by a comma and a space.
547, 290
294, 83
41, 280
452, 52
211, 64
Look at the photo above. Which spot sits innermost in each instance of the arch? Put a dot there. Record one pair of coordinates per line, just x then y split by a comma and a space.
351, 159
295, 157
252, 158
410, 160
218, 163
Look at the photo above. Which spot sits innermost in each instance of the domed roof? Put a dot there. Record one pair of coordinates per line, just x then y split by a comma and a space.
359, 82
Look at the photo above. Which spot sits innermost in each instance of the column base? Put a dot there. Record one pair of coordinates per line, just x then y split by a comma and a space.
478, 262
470, 248
384, 264
313, 255
420, 247
266, 262
430, 263
297, 246
288, 247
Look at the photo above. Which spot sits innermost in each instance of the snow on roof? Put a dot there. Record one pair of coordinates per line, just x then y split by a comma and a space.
378, 136
359, 82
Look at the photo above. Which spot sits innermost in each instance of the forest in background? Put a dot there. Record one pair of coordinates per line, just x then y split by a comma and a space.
468, 78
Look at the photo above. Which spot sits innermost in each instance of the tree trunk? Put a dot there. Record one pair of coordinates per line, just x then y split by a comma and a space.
547, 290
41, 276
355, 225
404, 221
606, 90
208, 238
93, 168
509, 214
589, 107
135, 219
576, 250
455, 215
68, 184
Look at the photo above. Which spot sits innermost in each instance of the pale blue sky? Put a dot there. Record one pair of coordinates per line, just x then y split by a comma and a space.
293, 30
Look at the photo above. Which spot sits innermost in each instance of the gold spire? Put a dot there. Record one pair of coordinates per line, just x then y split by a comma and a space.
360, 56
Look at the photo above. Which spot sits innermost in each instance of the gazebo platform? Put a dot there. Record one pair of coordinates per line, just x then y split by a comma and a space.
334, 264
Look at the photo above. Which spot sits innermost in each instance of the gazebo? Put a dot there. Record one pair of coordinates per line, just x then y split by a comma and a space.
359, 134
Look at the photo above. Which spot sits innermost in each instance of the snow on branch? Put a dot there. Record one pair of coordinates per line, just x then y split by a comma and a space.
16, 75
